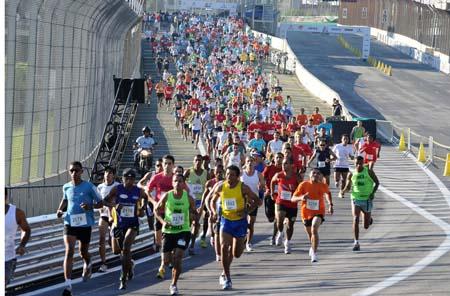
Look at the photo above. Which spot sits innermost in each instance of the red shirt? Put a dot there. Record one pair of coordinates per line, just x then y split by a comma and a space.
302, 119
194, 104
161, 183
297, 154
220, 117
291, 127
269, 172
370, 151
269, 130
168, 91
254, 126
182, 87
286, 188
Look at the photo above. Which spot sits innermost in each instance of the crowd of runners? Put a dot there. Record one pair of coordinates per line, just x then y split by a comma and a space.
257, 153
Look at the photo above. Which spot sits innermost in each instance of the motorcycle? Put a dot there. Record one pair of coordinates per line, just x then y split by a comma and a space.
145, 160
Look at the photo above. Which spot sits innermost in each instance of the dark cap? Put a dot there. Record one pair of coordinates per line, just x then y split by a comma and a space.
129, 173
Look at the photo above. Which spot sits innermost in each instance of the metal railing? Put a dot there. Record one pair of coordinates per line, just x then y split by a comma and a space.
45, 251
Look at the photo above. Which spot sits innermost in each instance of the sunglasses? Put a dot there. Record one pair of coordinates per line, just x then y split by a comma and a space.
74, 170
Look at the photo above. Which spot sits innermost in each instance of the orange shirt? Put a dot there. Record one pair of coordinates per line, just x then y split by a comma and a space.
315, 204
317, 118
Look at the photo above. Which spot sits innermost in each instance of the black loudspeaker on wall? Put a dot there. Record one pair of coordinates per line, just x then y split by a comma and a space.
137, 94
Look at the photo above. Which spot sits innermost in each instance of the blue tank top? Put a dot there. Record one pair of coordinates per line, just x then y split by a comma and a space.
126, 216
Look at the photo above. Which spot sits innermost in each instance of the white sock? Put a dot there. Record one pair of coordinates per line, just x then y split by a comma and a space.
356, 241
69, 284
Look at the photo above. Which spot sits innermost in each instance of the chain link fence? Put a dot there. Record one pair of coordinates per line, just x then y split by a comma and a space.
60, 59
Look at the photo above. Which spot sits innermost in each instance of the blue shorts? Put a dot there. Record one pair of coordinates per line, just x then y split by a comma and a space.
365, 205
236, 229
198, 202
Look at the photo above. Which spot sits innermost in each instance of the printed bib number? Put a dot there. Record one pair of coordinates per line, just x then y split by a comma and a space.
312, 204
321, 164
230, 204
127, 211
286, 195
181, 242
197, 188
369, 157
177, 219
78, 220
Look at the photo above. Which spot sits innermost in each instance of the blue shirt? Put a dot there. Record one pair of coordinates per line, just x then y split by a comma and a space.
85, 192
257, 144
327, 126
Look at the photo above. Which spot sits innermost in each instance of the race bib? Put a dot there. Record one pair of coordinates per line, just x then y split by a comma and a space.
275, 190
286, 195
369, 157
127, 211
215, 134
230, 204
321, 164
197, 188
312, 204
78, 220
177, 219
181, 242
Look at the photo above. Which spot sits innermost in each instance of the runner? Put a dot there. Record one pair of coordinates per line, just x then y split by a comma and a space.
343, 152
364, 183
371, 149
214, 225
237, 199
196, 178
105, 215
159, 88
162, 183
255, 181
311, 195
14, 218
357, 136
324, 157
282, 186
128, 204
80, 198
179, 210
269, 197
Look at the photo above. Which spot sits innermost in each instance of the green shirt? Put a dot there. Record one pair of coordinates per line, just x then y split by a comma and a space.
362, 185
197, 183
177, 213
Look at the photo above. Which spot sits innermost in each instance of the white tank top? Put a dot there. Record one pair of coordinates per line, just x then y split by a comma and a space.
251, 181
234, 160
104, 190
10, 233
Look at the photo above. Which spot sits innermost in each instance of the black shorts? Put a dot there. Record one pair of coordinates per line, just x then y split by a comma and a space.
341, 170
253, 213
119, 233
158, 225
291, 213
172, 241
269, 207
83, 234
160, 95
325, 171
308, 223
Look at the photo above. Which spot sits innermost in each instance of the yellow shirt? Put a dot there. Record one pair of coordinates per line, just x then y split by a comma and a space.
232, 202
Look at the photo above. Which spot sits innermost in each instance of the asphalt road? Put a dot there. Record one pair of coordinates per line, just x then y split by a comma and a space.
415, 96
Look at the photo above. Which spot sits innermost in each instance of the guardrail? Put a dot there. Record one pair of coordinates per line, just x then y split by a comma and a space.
45, 250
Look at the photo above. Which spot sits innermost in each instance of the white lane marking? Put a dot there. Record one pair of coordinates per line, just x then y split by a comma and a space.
94, 275
441, 250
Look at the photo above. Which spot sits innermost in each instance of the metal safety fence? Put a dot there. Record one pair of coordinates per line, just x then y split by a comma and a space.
60, 59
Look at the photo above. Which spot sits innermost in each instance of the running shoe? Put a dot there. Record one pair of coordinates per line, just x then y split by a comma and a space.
279, 239
356, 247
67, 292
103, 268
161, 273
173, 290
222, 279
218, 258
131, 272
227, 285
371, 221
203, 243
249, 247
87, 271
272, 241
123, 284
287, 247
314, 258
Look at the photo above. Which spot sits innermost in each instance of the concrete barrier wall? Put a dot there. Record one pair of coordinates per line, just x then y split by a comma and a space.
414, 49
309, 81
